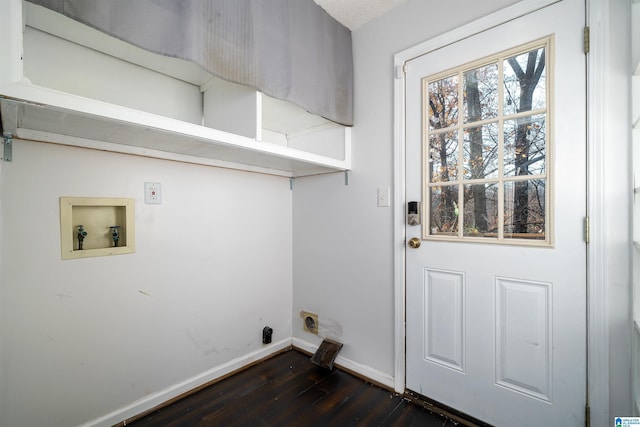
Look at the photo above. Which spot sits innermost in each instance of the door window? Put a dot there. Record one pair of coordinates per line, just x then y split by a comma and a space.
486, 149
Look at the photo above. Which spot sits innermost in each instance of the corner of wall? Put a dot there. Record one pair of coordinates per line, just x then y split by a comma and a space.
350, 365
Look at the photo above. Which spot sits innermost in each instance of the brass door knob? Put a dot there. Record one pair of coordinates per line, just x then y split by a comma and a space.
414, 243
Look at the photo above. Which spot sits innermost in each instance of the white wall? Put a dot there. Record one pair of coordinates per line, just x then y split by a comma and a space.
81, 339
618, 199
635, 62
635, 32
343, 242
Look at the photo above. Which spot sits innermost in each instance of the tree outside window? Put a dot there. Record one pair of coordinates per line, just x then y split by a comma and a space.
486, 149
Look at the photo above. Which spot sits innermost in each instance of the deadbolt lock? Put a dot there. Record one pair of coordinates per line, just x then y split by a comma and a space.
414, 243
413, 213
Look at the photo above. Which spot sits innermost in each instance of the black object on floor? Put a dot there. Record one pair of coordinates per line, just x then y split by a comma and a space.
326, 353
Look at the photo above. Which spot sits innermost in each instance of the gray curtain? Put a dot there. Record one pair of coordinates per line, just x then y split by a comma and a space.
289, 49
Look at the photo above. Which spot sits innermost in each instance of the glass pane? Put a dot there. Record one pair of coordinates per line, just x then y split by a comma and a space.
480, 151
481, 210
524, 209
525, 82
443, 157
443, 103
444, 210
525, 146
481, 93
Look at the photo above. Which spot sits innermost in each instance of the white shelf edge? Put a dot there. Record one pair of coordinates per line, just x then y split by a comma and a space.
112, 147
24, 92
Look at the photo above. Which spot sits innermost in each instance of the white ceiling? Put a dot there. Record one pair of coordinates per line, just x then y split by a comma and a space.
355, 13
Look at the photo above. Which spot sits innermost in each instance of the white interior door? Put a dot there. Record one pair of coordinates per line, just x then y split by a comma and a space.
496, 310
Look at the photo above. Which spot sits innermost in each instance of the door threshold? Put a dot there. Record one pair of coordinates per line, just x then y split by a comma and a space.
447, 411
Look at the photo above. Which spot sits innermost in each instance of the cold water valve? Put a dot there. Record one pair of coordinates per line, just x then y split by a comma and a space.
81, 235
115, 234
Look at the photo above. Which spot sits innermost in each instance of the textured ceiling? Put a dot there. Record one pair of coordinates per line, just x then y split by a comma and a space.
355, 13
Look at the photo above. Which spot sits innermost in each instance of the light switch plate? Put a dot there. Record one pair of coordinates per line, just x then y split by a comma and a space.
384, 196
152, 193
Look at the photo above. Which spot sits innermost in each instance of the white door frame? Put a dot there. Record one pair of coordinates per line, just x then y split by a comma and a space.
597, 293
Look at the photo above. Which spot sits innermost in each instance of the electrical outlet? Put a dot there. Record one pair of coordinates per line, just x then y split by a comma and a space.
152, 193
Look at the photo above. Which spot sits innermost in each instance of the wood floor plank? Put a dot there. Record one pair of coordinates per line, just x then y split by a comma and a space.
196, 406
292, 406
254, 404
340, 389
409, 414
313, 406
289, 390
370, 407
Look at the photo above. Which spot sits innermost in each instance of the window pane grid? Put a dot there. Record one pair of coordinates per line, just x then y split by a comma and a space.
501, 145
471, 165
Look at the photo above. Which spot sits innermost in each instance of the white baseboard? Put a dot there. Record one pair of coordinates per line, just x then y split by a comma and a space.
155, 399
363, 370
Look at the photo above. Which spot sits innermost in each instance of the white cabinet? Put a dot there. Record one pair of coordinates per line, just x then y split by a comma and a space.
64, 82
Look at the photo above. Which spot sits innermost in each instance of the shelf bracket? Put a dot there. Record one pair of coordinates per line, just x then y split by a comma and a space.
7, 147
346, 177
291, 183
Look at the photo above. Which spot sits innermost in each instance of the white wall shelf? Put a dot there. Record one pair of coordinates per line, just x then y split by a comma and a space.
64, 82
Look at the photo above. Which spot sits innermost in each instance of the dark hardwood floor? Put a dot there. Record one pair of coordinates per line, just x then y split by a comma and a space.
288, 390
